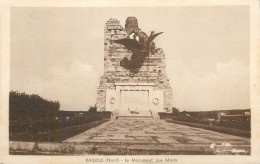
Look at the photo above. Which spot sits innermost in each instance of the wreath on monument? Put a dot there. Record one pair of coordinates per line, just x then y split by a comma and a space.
156, 101
112, 100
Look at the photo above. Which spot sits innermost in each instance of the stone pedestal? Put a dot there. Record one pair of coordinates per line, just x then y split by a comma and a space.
146, 92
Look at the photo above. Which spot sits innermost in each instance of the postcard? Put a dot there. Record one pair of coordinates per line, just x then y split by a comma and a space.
130, 82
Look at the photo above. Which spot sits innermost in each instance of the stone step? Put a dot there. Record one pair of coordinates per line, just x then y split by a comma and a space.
137, 113
134, 117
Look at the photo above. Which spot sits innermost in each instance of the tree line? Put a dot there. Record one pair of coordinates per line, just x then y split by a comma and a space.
28, 113
31, 106
33, 118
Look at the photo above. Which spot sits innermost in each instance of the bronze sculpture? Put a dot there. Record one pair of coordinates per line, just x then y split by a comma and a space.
140, 49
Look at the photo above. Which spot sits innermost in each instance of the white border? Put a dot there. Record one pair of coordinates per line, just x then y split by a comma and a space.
254, 76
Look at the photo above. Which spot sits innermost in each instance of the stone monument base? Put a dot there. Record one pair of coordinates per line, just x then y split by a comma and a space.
135, 83
134, 100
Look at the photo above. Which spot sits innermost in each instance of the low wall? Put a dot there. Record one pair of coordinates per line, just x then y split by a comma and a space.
54, 148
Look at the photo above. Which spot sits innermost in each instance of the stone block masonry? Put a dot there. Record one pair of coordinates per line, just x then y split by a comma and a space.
153, 70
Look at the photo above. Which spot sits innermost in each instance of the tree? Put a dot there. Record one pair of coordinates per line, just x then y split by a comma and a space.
31, 113
93, 109
175, 110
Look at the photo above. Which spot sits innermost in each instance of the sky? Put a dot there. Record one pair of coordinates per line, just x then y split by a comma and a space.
58, 53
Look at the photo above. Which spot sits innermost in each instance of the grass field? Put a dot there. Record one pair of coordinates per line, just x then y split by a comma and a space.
232, 131
54, 129
55, 135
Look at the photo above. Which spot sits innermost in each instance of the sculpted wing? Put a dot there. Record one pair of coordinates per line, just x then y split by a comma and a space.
130, 44
151, 38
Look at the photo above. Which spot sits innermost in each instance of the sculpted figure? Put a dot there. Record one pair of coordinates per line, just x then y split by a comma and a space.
140, 48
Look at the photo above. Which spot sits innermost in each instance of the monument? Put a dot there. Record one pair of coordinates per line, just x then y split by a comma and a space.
134, 83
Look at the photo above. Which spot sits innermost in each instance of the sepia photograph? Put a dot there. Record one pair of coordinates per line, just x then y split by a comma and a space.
130, 82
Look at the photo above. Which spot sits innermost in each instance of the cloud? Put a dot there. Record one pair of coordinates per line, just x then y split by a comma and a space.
62, 58
76, 85
224, 88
